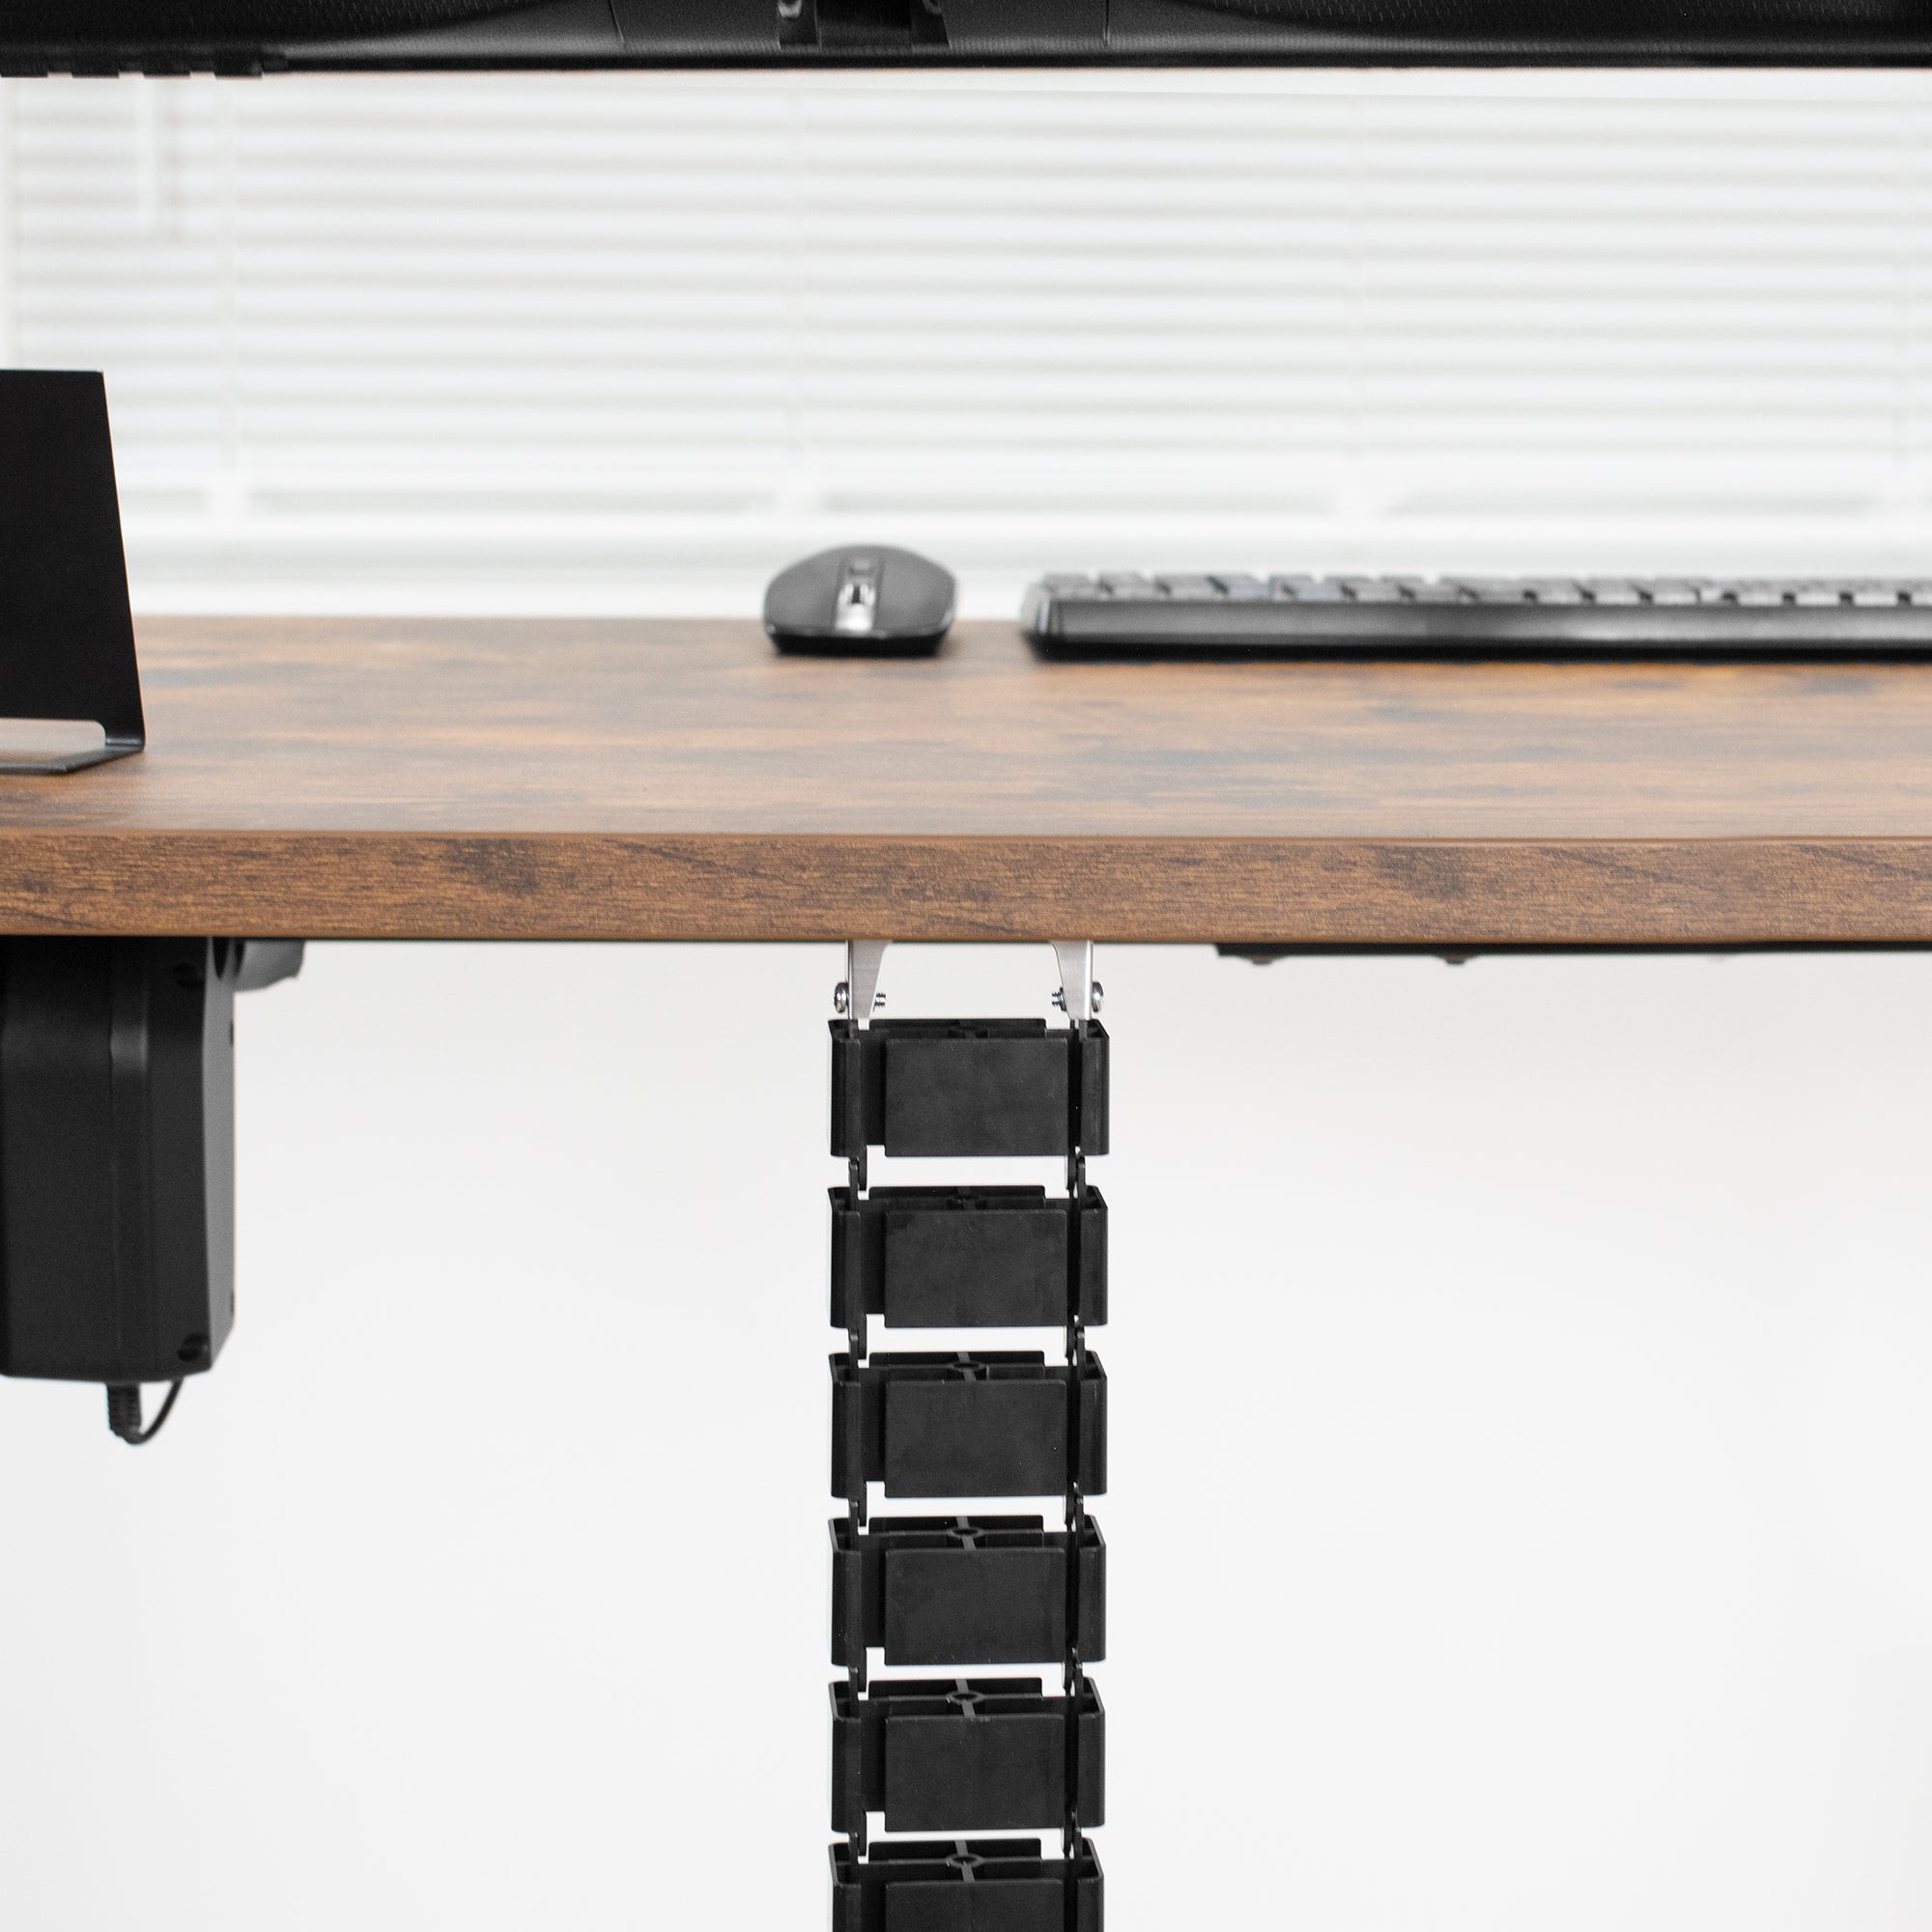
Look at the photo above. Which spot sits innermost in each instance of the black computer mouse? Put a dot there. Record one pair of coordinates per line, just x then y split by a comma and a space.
866, 601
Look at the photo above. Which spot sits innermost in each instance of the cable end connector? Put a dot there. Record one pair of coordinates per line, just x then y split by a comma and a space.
123, 1412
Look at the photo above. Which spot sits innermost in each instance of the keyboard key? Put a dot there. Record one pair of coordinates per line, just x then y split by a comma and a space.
1244, 590
1495, 589
1309, 589
1189, 590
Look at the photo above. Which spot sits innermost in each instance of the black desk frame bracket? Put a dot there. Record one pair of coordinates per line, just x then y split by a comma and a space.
967, 1754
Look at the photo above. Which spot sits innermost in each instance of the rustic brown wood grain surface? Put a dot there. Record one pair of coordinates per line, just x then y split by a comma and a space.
573, 778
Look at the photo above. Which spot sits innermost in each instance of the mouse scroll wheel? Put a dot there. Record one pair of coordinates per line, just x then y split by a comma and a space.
858, 608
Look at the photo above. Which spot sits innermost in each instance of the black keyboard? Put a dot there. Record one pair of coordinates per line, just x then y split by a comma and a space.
1479, 616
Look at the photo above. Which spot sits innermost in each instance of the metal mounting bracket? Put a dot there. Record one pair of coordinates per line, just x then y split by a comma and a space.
858, 995
1080, 994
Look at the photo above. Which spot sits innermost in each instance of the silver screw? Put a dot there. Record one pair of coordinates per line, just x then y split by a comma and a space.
842, 998
1099, 996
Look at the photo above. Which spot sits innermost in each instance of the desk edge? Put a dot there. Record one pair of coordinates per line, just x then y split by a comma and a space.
1323, 891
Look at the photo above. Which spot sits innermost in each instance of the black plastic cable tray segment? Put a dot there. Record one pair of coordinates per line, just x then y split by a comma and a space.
968, 1087
958, 1590
965, 1884
969, 1257
967, 1754
988, 1424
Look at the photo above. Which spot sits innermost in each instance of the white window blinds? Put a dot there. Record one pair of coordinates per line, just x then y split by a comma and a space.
628, 342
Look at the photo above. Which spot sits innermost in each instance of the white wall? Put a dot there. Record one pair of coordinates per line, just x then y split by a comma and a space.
1521, 1463
1521, 1459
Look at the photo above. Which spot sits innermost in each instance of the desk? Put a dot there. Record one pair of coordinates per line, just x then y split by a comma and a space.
679, 781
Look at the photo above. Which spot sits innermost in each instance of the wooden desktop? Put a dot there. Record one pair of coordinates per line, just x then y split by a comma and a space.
573, 778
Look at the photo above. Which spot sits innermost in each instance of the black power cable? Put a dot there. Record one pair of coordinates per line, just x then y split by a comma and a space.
123, 1412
